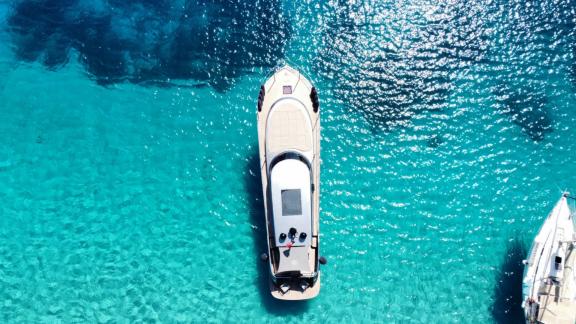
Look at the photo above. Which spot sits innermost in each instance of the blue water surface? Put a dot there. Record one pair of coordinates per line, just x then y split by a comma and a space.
129, 185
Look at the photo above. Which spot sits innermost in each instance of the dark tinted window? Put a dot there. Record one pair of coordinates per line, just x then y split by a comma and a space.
291, 203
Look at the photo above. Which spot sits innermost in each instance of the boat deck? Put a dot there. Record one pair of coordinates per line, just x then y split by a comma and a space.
557, 305
295, 293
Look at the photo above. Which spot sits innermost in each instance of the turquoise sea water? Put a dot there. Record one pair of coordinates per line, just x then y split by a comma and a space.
129, 188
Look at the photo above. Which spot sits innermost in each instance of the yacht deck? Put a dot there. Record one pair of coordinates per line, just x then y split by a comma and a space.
557, 305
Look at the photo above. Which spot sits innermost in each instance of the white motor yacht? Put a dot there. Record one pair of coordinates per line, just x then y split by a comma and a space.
289, 145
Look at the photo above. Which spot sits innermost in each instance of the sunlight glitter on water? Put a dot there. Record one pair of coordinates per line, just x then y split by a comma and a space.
131, 194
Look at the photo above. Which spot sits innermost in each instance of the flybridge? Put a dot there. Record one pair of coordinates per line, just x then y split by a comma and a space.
291, 203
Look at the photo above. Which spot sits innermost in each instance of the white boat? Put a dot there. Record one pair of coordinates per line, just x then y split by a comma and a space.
289, 145
549, 283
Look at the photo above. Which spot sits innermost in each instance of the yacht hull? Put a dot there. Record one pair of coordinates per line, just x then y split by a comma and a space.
288, 85
549, 283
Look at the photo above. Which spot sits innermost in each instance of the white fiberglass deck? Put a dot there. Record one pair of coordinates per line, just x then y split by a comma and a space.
548, 284
295, 259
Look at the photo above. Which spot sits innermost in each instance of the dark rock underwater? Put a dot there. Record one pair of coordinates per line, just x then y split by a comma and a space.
383, 66
151, 41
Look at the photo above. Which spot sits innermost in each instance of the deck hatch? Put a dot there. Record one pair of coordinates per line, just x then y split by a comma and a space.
291, 202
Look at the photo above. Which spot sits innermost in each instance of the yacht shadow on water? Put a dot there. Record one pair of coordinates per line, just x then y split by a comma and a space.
507, 306
253, 184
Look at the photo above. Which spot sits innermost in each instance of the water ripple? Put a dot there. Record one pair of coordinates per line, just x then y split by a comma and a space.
152, 42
